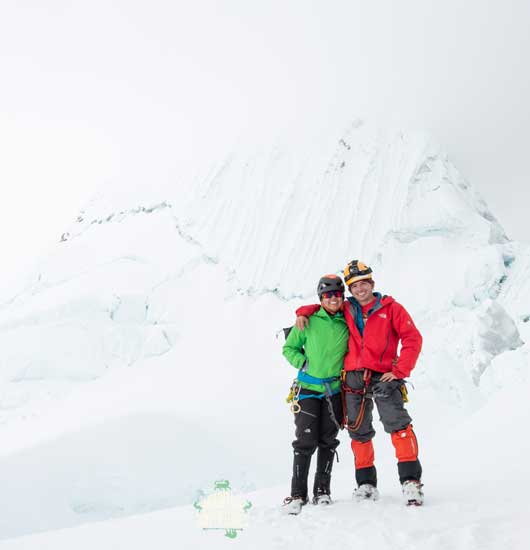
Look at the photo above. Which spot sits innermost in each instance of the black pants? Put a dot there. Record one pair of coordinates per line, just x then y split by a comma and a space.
315, 429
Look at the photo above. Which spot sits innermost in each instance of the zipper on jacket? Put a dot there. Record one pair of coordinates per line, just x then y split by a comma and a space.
386, 347
360, 362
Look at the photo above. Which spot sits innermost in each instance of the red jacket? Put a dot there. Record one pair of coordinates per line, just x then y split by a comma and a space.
376, 349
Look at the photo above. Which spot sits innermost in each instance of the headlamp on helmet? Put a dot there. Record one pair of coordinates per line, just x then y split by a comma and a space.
356, 271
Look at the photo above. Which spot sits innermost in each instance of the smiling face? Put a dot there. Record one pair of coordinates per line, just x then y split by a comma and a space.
362, 291
332, 301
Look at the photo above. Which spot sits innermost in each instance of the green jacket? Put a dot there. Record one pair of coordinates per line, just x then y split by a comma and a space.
325, 342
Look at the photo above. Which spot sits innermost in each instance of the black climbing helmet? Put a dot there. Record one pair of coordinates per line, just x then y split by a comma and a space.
356, 271
329, 283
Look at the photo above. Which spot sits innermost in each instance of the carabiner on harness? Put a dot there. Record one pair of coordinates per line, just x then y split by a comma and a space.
293, 397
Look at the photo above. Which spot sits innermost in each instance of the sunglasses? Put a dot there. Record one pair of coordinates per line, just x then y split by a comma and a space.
334, 293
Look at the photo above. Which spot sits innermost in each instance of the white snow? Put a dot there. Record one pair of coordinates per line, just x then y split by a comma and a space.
140, 362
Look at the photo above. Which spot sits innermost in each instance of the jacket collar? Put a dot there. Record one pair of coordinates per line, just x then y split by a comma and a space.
357, 314
323, 313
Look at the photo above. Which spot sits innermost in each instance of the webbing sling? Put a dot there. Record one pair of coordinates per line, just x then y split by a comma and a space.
326, 382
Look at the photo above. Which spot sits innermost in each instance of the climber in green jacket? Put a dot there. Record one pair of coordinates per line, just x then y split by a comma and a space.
318, 352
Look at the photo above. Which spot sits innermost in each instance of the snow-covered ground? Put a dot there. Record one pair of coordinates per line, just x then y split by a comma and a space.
477, 498
140, 361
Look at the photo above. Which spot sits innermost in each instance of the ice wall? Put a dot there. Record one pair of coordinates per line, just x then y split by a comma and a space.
273, 221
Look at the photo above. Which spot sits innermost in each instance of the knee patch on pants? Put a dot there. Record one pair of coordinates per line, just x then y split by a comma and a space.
405, 444
363, 453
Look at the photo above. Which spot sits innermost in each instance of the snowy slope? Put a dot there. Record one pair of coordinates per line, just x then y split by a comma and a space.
473, 502
140, 361
458, 523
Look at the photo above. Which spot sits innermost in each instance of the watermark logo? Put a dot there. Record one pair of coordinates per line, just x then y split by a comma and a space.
222, 510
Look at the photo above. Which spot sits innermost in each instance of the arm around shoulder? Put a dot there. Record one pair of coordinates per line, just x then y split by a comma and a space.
307, 311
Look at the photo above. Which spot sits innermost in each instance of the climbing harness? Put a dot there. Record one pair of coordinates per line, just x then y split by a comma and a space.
365, 392
294, 395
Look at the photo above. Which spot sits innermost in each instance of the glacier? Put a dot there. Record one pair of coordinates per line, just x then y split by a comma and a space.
143, 350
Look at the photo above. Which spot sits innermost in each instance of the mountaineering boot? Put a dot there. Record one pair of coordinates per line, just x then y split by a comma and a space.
322, 499
412, 492
293, 505
301, 463
321, 486
366, 491
365, 472
321, 492
406, 447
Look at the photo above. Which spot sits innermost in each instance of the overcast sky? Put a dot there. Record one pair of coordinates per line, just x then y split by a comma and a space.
99, 91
